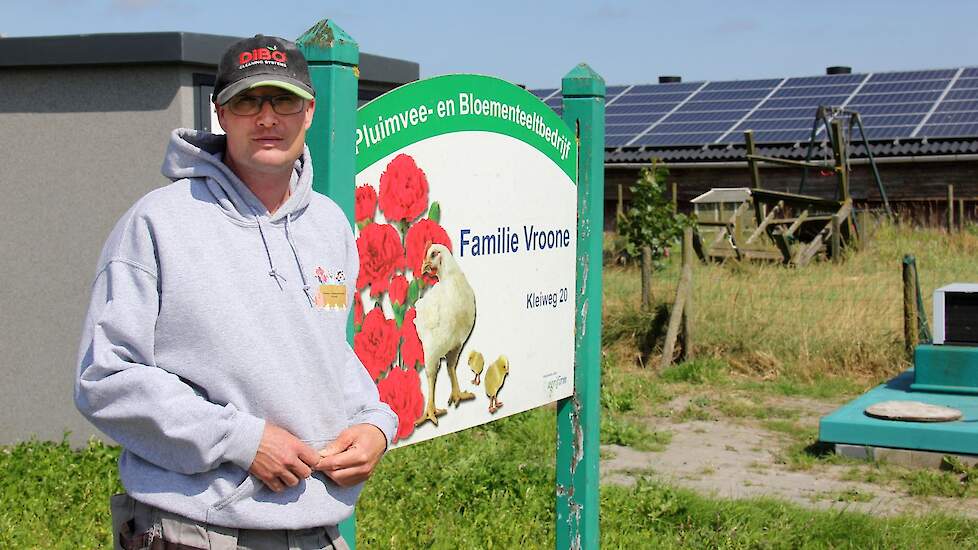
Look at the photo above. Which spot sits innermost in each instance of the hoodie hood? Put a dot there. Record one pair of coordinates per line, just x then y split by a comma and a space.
195, 154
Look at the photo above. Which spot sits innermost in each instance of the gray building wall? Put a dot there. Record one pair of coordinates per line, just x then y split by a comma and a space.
80, 146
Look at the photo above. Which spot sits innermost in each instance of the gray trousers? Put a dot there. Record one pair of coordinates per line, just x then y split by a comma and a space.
138, 526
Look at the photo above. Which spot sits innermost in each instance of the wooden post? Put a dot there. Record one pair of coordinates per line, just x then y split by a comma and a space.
646, 277
620, 212
333, 57
836, 240
841, 160
910, 313
579, 416
950, 208
755, 174
687, 270
961, 215
675, 319
675, 197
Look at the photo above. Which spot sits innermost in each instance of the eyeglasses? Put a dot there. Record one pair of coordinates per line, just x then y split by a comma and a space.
246, 105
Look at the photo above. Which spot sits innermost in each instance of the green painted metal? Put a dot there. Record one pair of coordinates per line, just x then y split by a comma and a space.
333, 57
578, 417
433, 107
849, 424
946, 369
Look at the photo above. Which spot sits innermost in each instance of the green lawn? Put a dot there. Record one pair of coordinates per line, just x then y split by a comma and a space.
820, 331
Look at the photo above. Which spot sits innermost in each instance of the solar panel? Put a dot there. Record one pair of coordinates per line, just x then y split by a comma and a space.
718, 105
660, 108
632, 98
950, 130
887, 132
893, 105
961, 94
892, 120
805, 101
784, 124
965, 83
948, 106
815, 91
690, 127
677, 139
776, 114
910, 76
742, 85
706, 116
639, 118
893, 108
953, 118
877, 99
732, 94
827, 80
890, 87
660, 88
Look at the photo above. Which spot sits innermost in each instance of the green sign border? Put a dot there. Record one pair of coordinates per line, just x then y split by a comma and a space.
398, 103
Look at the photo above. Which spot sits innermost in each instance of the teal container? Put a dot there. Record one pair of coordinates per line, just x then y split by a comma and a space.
946, 369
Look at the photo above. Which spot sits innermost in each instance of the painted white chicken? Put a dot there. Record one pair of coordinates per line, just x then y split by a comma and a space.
446, 315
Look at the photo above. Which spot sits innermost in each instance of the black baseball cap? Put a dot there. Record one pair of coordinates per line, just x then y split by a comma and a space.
262, 61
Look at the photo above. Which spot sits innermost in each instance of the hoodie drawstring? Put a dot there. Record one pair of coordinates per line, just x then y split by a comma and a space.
298, 262
271, 266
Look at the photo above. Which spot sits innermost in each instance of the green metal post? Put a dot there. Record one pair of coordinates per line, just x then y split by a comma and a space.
333, 58
579, 416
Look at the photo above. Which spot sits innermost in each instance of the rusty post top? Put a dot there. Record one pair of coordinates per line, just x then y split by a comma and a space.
326, 42
582, 81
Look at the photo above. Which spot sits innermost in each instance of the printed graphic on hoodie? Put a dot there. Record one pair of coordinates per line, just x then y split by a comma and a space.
332, 292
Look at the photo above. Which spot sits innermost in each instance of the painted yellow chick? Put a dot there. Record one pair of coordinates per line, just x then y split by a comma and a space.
495, 376
476, 363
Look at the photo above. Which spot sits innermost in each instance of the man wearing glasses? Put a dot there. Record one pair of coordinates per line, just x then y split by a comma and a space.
210, 351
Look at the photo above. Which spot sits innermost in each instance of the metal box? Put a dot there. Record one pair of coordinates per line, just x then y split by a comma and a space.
956, 314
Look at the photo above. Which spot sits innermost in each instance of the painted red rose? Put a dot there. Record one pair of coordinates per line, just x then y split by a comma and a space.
397, 290
376, 343
366, 203
403, 190
357, 310
412, 351
381, 253
402, 391
419, 237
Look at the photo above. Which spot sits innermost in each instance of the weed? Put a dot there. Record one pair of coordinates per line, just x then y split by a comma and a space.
697, 371
615, 431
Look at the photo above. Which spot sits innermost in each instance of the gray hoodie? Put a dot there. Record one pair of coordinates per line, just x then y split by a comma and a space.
205, 322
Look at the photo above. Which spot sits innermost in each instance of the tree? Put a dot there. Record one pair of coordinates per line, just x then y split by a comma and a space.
651, 222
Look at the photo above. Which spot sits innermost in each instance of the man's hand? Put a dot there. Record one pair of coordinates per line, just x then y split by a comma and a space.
282, 459
354, 455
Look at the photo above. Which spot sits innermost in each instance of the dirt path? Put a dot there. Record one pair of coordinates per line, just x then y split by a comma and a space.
739, 458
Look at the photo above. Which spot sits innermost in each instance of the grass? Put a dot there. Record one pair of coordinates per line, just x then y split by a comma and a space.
762, 333
489, 487
820, 329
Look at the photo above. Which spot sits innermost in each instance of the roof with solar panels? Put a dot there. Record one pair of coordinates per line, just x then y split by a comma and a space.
904, 113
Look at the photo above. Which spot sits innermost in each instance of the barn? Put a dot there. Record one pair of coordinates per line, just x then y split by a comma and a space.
920, 127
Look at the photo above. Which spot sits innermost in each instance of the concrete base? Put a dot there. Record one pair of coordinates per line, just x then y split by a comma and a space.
851, 426
901, 457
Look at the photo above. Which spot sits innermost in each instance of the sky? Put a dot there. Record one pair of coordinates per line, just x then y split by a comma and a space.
535, 43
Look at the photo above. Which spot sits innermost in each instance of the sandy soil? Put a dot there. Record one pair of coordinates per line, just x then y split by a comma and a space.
738, 458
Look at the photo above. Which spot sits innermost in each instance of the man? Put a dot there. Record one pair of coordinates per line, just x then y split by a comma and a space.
208, 353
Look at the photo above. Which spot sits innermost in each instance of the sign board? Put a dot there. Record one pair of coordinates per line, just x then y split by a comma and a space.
466, 214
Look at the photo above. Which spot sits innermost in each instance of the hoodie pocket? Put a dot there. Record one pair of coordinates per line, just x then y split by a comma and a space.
246, 489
